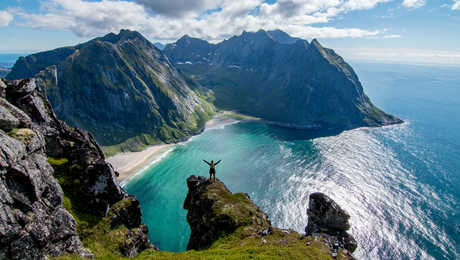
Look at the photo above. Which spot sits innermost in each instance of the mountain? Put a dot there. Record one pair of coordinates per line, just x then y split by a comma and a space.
120, 88
58, 195
159, 45
4, 72
285, 80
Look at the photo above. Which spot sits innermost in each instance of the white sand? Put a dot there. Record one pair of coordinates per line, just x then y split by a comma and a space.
129, 163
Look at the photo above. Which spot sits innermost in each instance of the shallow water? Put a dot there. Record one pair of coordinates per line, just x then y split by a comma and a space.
400, 184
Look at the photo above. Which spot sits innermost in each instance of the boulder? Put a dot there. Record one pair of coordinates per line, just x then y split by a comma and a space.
327, 220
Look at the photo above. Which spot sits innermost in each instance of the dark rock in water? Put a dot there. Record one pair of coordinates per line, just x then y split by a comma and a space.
214, 211
33, 221
325, 215
328, 220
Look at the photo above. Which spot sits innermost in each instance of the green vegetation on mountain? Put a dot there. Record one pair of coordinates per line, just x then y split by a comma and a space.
120, 88
282, 79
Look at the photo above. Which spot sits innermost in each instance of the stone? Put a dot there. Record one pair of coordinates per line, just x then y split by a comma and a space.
213, 211
33, 222
328, 220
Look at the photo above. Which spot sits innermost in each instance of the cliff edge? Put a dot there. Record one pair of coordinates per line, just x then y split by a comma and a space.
58, 196
231, 226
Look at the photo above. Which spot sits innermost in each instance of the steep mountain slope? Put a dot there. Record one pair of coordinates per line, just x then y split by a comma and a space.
279, 78
119, 87
57, 193
4, 72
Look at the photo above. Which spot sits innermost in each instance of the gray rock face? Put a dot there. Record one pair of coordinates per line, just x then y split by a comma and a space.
33, 222
328, 220
213, 211
326, 215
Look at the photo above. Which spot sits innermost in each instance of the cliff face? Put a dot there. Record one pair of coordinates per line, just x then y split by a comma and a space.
55, 185
121, 88
327, 220
271, 75
213, 211
231, 225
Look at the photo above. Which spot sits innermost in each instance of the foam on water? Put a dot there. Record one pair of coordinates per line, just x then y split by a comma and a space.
400, 184
157, 158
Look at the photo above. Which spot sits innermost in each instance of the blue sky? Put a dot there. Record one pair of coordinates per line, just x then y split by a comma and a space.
408, 31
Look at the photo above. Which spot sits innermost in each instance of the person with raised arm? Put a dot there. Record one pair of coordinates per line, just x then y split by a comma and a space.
212, 170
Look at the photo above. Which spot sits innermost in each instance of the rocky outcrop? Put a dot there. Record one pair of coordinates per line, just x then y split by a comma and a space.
222, 220
120, 88
33, 220
327, 220
285, 80
213, 211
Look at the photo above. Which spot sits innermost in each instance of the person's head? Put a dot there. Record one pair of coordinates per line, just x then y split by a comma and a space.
212, 161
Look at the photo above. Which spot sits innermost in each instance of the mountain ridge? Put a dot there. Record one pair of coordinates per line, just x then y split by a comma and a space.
119, 87
292, 82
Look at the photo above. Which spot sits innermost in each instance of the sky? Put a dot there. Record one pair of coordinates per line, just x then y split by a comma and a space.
402, 31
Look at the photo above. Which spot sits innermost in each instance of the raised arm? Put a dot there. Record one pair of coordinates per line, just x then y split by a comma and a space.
217, 162
207, 162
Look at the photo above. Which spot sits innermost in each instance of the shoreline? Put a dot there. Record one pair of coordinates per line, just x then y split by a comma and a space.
129, 164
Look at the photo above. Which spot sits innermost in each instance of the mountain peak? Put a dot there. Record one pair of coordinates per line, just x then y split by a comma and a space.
282, 37
316, 43
123, 34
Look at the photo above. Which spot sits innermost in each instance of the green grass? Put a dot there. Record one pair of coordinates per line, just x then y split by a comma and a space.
239, 116
24, 135
278, 245
165, 133
95, 232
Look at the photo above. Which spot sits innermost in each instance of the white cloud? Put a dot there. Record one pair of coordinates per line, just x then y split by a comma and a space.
5, 18
456, 5
410, 56
166, 20
414, 3
392, 36
179, 8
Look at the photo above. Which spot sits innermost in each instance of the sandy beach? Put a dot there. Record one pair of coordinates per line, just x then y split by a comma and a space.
130, 163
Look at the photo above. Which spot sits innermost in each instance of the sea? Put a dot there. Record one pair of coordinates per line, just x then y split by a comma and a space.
400, 184
7, 60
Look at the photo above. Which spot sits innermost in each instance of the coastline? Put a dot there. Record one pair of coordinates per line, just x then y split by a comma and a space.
128, 164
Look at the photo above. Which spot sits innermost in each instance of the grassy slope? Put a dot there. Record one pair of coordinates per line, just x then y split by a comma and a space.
104, 242
165, 133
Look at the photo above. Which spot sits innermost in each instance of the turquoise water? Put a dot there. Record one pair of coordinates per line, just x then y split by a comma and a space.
400, 184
